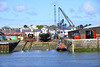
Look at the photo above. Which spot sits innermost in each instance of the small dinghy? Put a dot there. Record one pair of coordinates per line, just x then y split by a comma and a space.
61, 47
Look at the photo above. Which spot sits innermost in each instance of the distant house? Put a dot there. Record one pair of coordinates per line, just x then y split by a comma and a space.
33, 27
64, 30
36, 32
2, 36
44, 29
31, 30
26, 30
52, 31
12, 33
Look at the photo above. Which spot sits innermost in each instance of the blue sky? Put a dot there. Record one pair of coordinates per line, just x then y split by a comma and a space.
16, 13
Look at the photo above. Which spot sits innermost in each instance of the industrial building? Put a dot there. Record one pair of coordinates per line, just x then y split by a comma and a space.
90, 32
96, 29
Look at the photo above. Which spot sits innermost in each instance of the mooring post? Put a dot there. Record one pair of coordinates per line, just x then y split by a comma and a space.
98, 44
7, 48
72, 47
0, 49
4, 49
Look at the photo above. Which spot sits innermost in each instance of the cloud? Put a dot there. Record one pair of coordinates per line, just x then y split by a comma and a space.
20, 8
72, 10
16, 15
32, 13
55, 2
90, 16
0, 18
89, 9
3, 5
76, 16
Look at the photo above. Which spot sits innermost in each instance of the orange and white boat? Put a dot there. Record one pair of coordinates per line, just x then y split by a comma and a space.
61, 47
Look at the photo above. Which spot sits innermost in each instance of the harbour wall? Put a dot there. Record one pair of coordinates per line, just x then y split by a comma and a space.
73, 44
7, 47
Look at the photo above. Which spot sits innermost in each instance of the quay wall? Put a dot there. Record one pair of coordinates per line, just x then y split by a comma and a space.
4, 49
22, 46
73, 44
7, 47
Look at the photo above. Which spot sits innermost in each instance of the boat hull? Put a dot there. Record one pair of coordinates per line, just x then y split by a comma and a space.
44, 36
61, 49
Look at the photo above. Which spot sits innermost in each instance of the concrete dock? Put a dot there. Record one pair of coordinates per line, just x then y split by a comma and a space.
7, 47
82, 45
23, 46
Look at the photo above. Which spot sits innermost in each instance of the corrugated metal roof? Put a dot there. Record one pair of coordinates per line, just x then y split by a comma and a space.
36, 30
29, 30
11, 30
92, 26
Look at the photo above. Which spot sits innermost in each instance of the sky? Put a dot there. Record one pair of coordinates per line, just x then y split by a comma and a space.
17, 13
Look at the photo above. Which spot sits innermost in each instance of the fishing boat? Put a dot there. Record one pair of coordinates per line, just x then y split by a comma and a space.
61, 47
44, 34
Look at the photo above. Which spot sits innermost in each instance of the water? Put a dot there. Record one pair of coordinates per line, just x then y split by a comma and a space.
50, 58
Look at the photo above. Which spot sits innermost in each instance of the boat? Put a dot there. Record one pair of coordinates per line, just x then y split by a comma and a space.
61, 47
44, 35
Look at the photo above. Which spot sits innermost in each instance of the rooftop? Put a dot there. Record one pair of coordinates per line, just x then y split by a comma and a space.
92, 26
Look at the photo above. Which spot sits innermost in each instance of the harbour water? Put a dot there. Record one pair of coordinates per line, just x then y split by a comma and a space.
49, 58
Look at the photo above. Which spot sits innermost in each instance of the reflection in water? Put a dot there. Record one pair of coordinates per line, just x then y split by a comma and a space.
50, 58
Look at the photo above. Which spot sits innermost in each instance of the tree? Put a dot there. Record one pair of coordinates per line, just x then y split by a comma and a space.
25, 26
90, 24
86, 25
39, 26
81, 26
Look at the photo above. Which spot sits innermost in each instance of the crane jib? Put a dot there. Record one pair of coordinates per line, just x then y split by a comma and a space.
67, 18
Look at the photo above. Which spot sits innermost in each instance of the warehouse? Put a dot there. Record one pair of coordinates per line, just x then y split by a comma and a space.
81, 34
90, 32
96, 28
